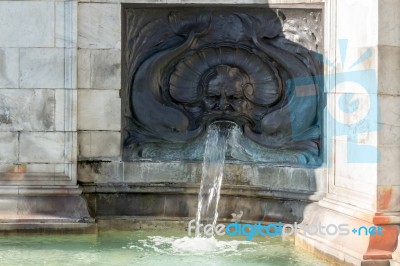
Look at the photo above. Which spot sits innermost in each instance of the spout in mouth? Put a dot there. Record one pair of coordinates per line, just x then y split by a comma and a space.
225, 125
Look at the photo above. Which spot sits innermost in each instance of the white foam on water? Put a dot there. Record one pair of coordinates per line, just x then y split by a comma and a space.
192, 245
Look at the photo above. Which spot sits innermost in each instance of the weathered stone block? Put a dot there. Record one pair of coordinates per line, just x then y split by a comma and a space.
65, 109
137, 172
389, 22
99, 26
118, 204
42, 68
388, 165
284, 178
389, 197
389, 110
84, 144
389, 70
100, 171
389, 140
26, 110
105, 69
44, 168
71, 207
9, 68
99, 110
8, 147
99, 144
27, 23
42, 147
84, 68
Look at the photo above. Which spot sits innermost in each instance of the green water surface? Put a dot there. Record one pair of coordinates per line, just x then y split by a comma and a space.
149, 248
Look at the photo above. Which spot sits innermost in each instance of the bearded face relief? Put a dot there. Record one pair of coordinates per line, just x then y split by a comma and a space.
224, 93
199, 67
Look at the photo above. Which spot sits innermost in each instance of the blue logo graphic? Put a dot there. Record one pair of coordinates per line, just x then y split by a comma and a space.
353, 109
280, 229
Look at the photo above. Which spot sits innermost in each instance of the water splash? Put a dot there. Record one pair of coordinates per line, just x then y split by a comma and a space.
218, 135
191, 246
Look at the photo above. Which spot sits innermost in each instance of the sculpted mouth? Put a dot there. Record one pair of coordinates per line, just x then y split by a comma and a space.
239, 118
225, 112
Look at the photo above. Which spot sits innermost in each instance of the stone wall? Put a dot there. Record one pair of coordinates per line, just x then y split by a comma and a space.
38, 93
99, 83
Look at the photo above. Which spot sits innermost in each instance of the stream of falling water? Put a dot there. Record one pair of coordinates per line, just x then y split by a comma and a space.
218, 136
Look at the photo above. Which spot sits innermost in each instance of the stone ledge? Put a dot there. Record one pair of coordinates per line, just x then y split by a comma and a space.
182, 203
258, 175
193, 189
45, 227
34, 209
105, 223
39, 190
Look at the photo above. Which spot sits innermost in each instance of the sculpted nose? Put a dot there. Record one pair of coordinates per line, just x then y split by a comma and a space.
223, 103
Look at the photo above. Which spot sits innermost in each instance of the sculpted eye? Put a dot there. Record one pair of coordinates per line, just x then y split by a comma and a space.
235, 97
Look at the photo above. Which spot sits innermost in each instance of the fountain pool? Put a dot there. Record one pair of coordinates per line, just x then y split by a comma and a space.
148, 248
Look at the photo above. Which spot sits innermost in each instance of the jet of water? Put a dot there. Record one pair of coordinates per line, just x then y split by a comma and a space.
218, 135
